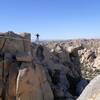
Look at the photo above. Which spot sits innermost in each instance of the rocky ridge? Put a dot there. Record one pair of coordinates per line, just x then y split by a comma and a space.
89, 54
30, 71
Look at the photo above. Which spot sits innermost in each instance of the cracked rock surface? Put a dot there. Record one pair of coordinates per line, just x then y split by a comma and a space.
52, 71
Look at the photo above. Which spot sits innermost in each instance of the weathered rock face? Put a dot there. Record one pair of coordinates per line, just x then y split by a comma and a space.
20, 77
32, 84
92, 91
89, 60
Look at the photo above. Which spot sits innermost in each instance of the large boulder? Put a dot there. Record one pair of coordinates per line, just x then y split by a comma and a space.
32, 84
92, 91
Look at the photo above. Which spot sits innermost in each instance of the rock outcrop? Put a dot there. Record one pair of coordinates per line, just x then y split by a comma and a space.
92, 91
88, 51
62, 68
39, 71
29, 70
20, 77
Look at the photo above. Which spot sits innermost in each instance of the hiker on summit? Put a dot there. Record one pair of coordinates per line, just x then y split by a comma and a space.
37, 36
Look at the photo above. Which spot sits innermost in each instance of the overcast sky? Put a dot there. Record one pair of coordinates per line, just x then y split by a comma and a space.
52, 19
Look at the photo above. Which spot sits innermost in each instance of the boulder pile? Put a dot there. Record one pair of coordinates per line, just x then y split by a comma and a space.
88, 51
63, 70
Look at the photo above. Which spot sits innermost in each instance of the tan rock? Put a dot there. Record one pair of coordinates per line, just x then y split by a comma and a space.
30, 82
92, 91
97, 63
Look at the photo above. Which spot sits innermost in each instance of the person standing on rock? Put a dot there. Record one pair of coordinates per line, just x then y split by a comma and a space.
37, 37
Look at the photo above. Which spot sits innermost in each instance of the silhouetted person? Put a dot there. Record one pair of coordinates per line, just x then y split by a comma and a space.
37, 36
